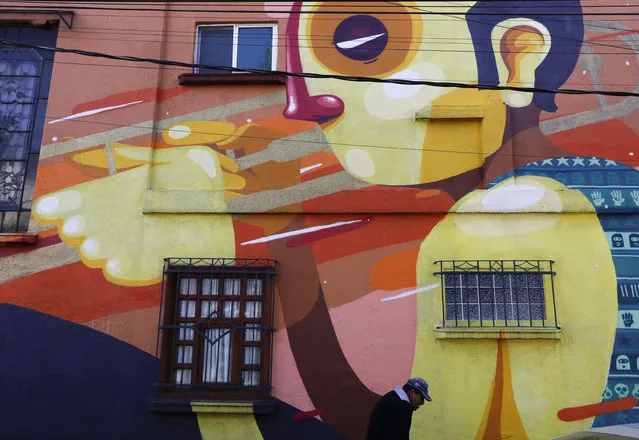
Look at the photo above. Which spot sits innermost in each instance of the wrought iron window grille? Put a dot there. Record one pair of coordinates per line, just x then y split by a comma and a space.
498, 293
215, 329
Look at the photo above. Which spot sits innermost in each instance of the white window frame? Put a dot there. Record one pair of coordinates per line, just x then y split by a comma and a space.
236, 28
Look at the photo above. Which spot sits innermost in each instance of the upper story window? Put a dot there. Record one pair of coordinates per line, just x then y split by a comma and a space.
25, 75
216, 329
247, 46
498, 293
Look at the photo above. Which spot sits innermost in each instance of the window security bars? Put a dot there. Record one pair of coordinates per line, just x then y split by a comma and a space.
20, 72
498, 293
215, 329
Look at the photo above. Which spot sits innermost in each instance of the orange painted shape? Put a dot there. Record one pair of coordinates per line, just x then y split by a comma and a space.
288, 126
612, 140
501, 418
395, 271
428, 193
586, 411
76, 293
144, 95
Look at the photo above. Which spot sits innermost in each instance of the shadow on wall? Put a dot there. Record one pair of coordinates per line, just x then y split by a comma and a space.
62, 380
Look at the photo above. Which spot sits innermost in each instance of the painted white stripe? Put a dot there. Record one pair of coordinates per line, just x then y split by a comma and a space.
350, 44
628, 278
410, 292
298, 232
93, 112
309, 168
621, 376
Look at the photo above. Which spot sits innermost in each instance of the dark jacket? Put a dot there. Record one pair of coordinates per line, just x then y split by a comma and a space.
390, 419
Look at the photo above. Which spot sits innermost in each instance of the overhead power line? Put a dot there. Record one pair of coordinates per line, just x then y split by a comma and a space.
446, 84
337, 11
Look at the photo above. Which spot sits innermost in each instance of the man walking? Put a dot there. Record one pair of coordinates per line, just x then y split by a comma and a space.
393, 413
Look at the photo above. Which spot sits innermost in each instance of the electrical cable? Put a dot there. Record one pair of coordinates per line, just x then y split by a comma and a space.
339, 144
445, 84
331, 12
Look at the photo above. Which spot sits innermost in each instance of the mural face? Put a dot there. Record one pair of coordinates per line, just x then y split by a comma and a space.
423, 47
356, 189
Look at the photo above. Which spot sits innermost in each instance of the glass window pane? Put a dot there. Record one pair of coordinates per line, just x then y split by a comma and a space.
185, 354
252, 335
231, 287
254, 287
187, 309
209, 286
217, 355
183, 377
215, 47
188, 286
11, 179
255, 47
253, 309
252, 355
231, 309
250, 378
186, 334
209, 309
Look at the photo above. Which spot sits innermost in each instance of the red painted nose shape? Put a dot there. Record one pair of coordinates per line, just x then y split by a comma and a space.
299, 103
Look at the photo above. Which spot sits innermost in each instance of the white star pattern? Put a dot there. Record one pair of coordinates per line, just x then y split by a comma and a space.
611, 163
563, 161
578, 161
547, 162
594, 161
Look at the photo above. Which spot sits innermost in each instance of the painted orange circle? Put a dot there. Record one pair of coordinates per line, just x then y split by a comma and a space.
365, 43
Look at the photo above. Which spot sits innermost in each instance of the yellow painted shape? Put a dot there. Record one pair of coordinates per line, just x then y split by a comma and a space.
453, 146
124, 156
233, 181
450, 112
222, 407
545, 378
104, 218
224, 426
197, 132
239, 133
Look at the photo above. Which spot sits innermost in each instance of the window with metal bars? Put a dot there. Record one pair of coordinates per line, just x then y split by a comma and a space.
498, 293
25, 75
216, 329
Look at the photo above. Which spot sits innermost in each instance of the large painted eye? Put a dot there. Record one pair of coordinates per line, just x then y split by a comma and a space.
361, 38
371, 43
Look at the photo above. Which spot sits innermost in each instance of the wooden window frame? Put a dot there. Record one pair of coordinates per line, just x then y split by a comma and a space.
171, 322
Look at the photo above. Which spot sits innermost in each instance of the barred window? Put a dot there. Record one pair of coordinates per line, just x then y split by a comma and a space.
497, 293
216, 329
25, 75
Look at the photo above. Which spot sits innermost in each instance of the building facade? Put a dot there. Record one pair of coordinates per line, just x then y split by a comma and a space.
196, 244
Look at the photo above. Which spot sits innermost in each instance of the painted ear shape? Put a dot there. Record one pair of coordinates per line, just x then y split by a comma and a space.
520, 46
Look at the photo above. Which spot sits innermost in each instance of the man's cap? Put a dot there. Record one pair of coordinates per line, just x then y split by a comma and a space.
420, 385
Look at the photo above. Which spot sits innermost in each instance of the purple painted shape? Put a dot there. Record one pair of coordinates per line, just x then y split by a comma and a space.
299, 103
359, 27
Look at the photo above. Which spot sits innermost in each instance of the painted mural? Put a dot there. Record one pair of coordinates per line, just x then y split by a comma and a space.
356, 189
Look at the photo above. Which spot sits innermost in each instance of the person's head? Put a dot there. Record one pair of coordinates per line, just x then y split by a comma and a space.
384, 133
417, 391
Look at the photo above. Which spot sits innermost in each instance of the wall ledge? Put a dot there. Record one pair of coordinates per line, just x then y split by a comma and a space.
18, 238
216, 79
212, 406
497, 333
184, 202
